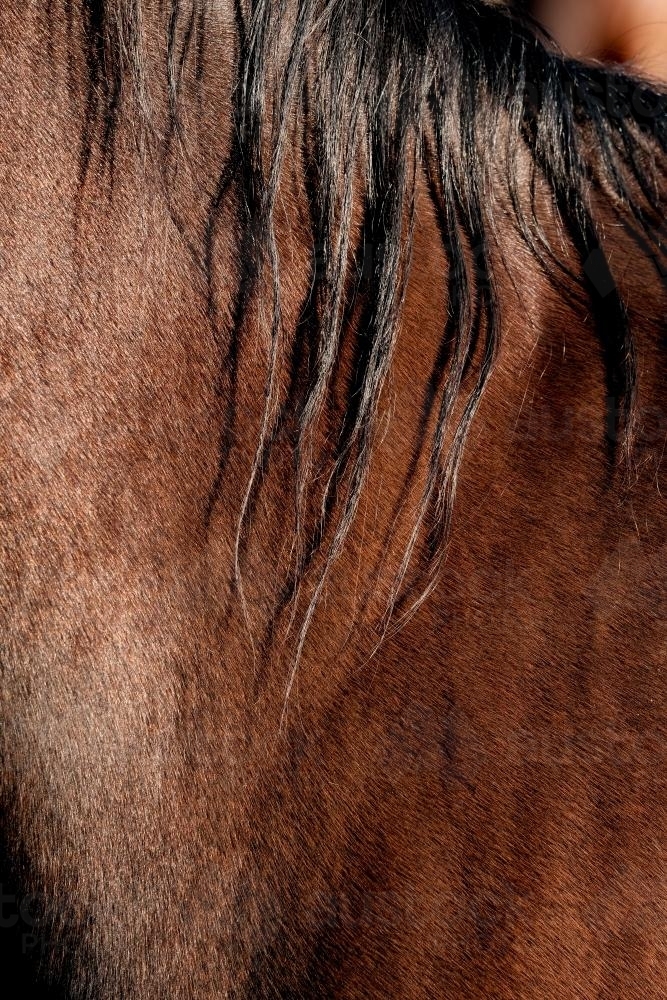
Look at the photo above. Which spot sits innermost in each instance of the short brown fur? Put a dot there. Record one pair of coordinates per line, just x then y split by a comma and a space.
476, 808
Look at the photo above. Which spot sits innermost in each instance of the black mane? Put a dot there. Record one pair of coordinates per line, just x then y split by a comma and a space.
457, 89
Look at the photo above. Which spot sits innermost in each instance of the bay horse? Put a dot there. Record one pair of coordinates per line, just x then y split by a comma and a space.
333, 543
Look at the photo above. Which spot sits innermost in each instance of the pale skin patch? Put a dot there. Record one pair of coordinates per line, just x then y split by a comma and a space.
632, 31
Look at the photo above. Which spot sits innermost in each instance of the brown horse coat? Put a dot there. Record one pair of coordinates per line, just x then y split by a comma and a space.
471, 806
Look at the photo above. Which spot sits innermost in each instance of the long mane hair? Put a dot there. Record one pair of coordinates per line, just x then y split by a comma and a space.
278, 277
370, 98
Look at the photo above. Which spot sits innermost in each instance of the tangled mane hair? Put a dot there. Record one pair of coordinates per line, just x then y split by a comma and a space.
457, 90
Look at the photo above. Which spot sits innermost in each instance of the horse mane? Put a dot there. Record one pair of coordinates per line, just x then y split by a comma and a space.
456, 91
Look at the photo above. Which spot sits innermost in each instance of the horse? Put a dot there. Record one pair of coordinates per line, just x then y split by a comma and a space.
333, 535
